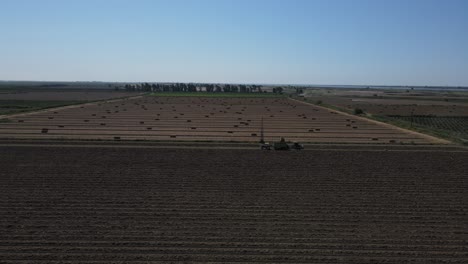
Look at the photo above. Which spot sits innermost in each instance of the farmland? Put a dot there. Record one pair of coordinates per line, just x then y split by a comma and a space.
217, 95
129, 204
204, 119
441, 113
455, 125
26, 100
173, 178
61, 95
394, 102
18, 106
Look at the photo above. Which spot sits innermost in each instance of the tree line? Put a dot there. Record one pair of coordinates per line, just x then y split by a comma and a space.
191, 87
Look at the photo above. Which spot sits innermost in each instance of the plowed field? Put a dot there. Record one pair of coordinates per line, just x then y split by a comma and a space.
63, 95
143, 205
401, 107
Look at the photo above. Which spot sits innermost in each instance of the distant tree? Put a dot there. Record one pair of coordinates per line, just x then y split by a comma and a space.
210, 88
243, 89
278, 90
358, 111
146, 87
191, 87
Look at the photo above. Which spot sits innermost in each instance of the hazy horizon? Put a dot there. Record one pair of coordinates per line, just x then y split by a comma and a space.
311, 85
374, 43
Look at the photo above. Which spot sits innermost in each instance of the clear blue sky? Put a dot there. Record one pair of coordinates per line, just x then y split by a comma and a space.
391, 42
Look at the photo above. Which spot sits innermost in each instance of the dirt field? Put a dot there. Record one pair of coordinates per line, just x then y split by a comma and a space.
204, 119
390, 107
139, 205
394, 102
441, 113
62, 95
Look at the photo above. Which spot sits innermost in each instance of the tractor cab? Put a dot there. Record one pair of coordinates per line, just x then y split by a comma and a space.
265, 146
297, 146
281, 145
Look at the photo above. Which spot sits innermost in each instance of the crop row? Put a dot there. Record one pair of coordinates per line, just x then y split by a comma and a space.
201, 119
110, 205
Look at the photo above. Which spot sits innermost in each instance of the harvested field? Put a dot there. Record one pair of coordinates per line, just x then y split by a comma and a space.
62, 95
8, 107
392, 107
122, 205
204, 119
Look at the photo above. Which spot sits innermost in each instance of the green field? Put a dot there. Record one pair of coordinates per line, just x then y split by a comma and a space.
20, 106
449, 126
206, 94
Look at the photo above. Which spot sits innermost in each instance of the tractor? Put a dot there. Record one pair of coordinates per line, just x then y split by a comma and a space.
281, 145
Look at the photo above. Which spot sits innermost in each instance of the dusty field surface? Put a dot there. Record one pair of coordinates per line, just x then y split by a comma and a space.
62, 95
204, 119
391, 107
433, 95
137, 205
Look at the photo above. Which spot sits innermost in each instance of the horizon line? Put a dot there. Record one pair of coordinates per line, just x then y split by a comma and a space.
258, 83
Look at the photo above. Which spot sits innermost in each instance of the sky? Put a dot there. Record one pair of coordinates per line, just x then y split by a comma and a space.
355, 42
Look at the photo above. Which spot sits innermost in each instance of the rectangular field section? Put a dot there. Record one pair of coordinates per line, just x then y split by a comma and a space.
203, 119
142, 205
